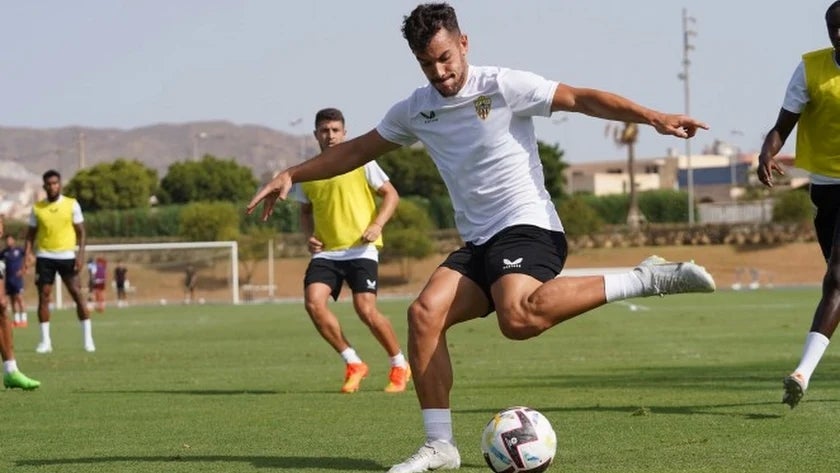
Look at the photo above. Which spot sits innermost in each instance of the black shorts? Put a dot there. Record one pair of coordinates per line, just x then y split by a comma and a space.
521, 249
45, 269
826, 198
361, 274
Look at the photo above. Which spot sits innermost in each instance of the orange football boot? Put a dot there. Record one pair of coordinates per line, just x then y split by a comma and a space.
353, 376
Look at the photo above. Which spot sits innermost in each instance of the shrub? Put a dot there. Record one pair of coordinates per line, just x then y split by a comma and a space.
793, 206
579, 218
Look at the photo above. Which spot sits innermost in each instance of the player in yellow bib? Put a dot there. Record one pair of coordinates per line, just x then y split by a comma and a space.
344, 230
56, 228
812, 101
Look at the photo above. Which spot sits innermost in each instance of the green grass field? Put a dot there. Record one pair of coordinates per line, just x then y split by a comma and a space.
682, 384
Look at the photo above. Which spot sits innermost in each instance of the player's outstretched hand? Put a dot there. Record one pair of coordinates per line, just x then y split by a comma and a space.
277, 189
678, 125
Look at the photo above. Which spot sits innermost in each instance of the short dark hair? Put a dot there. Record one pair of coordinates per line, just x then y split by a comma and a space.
329, 115
51, 173
831, 8
425, 21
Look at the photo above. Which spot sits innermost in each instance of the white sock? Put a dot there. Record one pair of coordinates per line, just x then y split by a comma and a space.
398, 360
9, 366
812, 352
87, 331
350, 356
620, 286
17, 317
438, 424
45, 333
23, 316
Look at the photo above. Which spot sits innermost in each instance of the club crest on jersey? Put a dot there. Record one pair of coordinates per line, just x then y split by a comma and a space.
482, 106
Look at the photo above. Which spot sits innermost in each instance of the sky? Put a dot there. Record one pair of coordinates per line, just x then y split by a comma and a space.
132, 63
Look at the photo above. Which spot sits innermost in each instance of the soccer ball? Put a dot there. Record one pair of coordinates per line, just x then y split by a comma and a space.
518, 439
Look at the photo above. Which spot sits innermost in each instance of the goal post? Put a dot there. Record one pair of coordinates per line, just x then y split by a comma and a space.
159, 267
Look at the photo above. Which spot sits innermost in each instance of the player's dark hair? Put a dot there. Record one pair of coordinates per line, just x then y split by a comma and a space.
49, 174
329, 115
831, 8
425, 21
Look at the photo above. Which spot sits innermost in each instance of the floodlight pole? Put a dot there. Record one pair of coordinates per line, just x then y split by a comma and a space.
687, 46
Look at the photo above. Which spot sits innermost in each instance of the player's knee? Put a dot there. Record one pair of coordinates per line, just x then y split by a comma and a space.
315, 307
517, 324
832, 274
422, 320
367, 313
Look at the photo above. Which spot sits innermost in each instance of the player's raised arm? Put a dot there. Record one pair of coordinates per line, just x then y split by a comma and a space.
601, 104
332, 161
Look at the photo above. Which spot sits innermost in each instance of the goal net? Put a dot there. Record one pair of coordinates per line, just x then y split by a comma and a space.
156, 273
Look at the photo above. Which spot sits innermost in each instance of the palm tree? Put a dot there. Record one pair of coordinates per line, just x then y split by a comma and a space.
627, 135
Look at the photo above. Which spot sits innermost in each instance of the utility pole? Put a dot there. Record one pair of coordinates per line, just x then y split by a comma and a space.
687, 46
82, 156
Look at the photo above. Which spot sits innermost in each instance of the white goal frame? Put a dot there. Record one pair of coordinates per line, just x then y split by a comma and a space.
193, 245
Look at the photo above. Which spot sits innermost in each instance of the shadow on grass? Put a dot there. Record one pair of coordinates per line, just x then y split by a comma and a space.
656, 410
276, 462
205, 392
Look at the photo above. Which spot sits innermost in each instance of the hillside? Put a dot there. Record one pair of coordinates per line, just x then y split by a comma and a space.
260, 148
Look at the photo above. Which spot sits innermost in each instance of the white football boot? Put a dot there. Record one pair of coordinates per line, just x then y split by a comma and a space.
660, 276
434, 455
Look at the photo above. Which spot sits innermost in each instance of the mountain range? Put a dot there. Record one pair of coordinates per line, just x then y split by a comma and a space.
68, 149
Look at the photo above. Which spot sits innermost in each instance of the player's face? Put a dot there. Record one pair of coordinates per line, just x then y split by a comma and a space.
444, 62
52, 186
833, 24
330, 133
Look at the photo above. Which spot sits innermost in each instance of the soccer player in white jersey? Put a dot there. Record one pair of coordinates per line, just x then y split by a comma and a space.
476, 123
344, 233
812, 104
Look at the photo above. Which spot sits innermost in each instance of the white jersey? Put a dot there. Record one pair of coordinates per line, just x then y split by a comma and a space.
483, 143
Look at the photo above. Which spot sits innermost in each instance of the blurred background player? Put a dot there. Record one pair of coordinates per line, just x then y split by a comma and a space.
812, 104
56, 227
340, 217
120, 275
190, 283
12, 255
12, 377
100, 273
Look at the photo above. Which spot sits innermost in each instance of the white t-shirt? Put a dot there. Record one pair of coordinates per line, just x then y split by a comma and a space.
376, 178
490, 165
796, 97
78, 217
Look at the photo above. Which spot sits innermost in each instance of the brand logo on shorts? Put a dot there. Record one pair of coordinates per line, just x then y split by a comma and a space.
429, 117
371, 284
508, 264
483, 104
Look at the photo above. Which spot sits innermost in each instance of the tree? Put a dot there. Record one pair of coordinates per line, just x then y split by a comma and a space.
551, 157
627, 135
253, 248
210, 179
118, 185
406, 235
412, 172
209, 221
